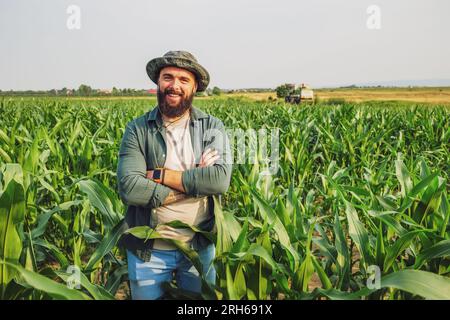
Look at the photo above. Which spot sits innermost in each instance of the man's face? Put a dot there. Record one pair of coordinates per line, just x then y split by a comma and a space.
176, 89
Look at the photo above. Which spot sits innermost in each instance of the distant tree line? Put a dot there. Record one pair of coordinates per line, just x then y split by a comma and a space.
87, 91
82, 91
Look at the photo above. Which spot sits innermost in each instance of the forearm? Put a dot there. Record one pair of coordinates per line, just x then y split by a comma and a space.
173, 184
138, 191
134, 189
173, 179
207, 181
197, 181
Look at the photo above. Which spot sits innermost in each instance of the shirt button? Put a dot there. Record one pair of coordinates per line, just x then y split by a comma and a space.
164, 155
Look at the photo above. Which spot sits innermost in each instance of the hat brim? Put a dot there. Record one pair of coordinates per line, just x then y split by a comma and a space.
154, 66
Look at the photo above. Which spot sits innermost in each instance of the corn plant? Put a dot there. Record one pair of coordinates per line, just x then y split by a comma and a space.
360, 188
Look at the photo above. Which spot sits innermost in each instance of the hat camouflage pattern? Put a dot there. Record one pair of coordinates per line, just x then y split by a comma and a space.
180, 59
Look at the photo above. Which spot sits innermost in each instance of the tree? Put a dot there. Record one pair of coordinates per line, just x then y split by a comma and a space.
216, 91
63, 91
84, 90
282, 91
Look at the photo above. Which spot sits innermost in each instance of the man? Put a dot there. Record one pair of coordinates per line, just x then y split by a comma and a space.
172, 161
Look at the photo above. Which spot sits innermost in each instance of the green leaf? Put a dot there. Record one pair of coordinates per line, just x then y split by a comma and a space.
44, 284
380, 252
387, 218
403, 177
5, 155
445, 212
398, 247
239, 282
271, 217
304, 274
106, 245
422, 283
182, 225
230, 285
47, 186
100, 198
115, 279
358, 233
306, 270
224, 239
326, 283
12, 213
242, 242
422, 185
54, 250
343, 256
255, 250
97, 292
233, 226
440, 249
42, 219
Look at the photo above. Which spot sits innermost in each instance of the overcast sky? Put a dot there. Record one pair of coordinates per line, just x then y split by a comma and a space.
243, 43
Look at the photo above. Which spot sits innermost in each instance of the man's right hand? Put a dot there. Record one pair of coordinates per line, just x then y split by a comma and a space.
174, 196
209, 157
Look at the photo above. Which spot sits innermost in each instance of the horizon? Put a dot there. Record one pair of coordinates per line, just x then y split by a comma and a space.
354, 86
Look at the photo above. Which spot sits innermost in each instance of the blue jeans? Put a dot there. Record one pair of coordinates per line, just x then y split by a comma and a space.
146, 277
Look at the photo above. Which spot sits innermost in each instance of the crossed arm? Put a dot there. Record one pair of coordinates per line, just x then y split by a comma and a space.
136, 187
174, 179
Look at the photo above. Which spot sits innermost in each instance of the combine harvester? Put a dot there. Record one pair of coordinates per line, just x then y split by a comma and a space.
298, 94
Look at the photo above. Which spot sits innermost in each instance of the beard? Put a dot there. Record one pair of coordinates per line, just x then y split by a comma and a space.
173, 111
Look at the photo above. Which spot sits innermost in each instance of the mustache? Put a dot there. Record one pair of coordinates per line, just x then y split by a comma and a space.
173, 91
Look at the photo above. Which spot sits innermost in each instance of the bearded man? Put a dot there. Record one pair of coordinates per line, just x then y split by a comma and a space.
172, 161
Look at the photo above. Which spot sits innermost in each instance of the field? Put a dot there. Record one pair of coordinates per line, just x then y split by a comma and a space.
359, 207
427, 95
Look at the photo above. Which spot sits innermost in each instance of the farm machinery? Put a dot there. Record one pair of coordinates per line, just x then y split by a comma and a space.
298, 94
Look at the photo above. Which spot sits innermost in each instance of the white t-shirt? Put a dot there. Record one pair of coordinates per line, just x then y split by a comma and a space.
191, 210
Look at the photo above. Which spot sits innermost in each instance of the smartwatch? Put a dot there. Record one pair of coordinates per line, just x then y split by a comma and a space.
158, 175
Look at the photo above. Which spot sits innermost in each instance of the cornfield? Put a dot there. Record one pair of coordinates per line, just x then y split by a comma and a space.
358, 209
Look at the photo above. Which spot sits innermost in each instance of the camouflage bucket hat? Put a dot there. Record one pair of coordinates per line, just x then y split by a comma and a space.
180, 59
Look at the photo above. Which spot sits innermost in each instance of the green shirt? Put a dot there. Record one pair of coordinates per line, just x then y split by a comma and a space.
143, 148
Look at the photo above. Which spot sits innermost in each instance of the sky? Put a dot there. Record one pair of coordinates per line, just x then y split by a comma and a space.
242, 43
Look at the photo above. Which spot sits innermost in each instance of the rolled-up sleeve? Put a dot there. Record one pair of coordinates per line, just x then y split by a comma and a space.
214, 179
134, 188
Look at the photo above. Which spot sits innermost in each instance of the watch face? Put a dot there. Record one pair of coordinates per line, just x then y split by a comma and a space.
156, 174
